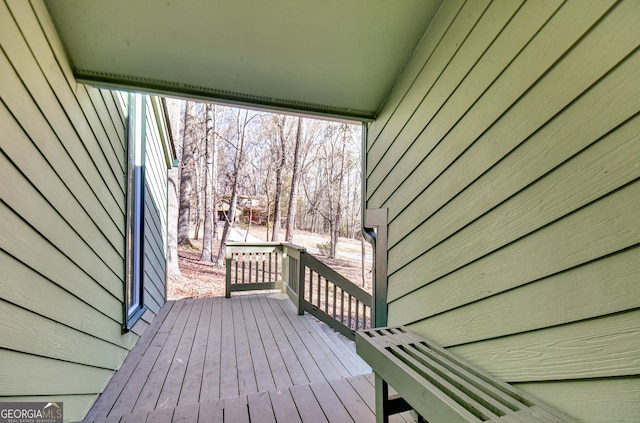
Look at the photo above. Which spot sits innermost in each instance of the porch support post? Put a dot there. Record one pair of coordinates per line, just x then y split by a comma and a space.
377, 218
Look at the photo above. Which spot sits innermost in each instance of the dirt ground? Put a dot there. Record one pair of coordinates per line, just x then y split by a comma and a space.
201, 279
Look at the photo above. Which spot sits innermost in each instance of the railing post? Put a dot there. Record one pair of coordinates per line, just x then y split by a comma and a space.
301, 284
227, 288
285, 269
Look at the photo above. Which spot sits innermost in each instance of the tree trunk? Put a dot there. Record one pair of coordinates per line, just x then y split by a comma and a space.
207, 237
234, 189
198, 186
337, 217
246, 234
291, 209
186, 170
278, 193
214, 175
173, 270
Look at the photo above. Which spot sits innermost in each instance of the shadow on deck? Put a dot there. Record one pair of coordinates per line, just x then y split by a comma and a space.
249, 358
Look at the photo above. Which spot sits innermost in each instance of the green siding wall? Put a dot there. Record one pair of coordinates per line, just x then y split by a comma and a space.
508, 156
62, 219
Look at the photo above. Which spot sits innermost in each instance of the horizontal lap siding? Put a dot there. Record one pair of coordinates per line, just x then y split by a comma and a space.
62, 220
155, 247
508, 156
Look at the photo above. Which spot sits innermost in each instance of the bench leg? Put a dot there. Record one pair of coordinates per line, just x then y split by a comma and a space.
382, 396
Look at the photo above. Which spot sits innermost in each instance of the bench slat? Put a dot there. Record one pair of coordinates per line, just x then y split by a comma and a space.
441, 386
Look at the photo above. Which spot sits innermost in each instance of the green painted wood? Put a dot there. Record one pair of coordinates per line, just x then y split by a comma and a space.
28, 203
439, 385
31, 333
542, 304
592, 401
567, 26
116, 113
52, 171
76, 313
30, 248
19, 371
54, 96
598, 348
238, 287
337, 279
456, 33
41, 48
561, 245
585, 121
604, 167
408, 78
39, 9
466, 71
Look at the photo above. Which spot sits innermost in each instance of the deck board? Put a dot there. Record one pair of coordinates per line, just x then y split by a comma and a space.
210, 388
190, 392
277, 365
242, 359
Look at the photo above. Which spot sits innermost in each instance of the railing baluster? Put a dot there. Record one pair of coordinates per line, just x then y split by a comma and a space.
334, 300
342, 306
318, 290
310, 286
326, 295
357, 314
243, 268
235, 262
349, 318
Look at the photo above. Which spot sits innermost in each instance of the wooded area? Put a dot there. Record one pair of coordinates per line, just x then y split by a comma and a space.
260, 168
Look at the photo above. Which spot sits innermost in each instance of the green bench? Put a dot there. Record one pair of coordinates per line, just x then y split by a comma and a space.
439, 386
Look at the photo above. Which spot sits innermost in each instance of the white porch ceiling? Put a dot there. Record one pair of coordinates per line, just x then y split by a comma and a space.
332, 57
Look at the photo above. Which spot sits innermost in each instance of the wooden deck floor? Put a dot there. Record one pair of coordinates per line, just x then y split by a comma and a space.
247, 358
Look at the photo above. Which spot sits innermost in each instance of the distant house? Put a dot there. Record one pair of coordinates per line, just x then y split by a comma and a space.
501, 169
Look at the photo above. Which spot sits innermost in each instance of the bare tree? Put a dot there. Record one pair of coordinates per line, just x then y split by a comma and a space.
186, 172
173, 191
209, 183
280, 121
243, 118
291, 209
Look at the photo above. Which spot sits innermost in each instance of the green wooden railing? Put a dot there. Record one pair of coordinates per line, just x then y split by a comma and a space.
313, 286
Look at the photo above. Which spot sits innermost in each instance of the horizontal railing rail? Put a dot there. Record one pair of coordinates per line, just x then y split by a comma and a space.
253, 266
313, 286
335, 300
